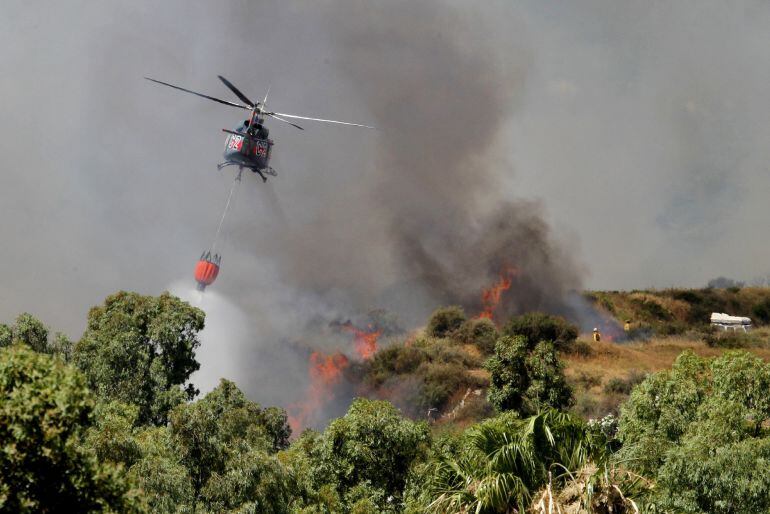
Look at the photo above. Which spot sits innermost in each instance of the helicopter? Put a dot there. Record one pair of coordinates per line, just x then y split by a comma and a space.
249, 144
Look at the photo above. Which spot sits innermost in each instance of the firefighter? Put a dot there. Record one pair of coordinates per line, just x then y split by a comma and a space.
627, 326
597, 335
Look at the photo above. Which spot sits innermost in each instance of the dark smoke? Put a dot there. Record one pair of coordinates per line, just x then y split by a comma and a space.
642, 127
124, 193
429, 216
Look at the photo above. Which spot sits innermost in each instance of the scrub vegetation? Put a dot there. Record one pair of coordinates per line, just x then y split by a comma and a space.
527, 416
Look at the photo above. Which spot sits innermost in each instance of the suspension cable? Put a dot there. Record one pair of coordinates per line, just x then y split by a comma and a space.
227, 207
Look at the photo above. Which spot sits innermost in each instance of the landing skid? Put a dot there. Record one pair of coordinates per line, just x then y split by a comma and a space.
265, 171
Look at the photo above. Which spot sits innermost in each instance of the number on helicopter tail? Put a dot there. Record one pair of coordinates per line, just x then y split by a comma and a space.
261, 149
236, 142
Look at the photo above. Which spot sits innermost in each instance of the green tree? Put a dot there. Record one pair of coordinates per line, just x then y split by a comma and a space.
141, 350
62, 346
45, 407
165, 483
445, 321
225, 441
502, 462
659, 411
538, 326
365, 454
717, 466
111, 438
547, 384
701, 431
509, 378
523, 379
6, 335
30, 331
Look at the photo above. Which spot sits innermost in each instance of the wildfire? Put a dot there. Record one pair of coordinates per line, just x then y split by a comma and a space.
490, 297
325, 372
364, 341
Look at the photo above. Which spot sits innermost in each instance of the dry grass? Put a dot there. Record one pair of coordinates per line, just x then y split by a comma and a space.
616, 360
590, 374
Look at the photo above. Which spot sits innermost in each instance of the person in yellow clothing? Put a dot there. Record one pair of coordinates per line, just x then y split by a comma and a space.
627, 326
597, 335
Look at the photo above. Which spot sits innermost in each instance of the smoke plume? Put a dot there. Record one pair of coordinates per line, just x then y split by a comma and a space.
507, 132
427, 224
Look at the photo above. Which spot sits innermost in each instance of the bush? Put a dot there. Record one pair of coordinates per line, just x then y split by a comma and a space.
624, 386
445, 321
761, 311
642, 332
441, 382
587, 380
442, 353
606, 303
579, 348
673, 328
724, 283
524, 380
408, 359
717, 338
480, 332
538, 326
689, 296
394, 360
475, 408
652, 309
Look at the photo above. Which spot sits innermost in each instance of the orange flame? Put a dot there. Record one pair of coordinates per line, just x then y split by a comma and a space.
325, 373
490, 297
364, 341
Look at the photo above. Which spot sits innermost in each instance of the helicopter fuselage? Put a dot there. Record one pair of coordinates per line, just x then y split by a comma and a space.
247, 150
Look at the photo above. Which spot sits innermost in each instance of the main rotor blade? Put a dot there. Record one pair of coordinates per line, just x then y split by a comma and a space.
236, 91
264, 102
283, 120
233, 104
273, 114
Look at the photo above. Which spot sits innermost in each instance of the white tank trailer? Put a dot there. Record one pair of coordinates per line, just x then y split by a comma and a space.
727, 322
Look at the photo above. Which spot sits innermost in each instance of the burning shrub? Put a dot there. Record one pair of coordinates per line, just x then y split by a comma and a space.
480, 332
537, 326
445, 321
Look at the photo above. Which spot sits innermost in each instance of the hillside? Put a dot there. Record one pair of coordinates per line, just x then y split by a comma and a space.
678, 311
441, 375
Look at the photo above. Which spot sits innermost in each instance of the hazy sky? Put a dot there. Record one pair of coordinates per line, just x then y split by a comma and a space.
638, 131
